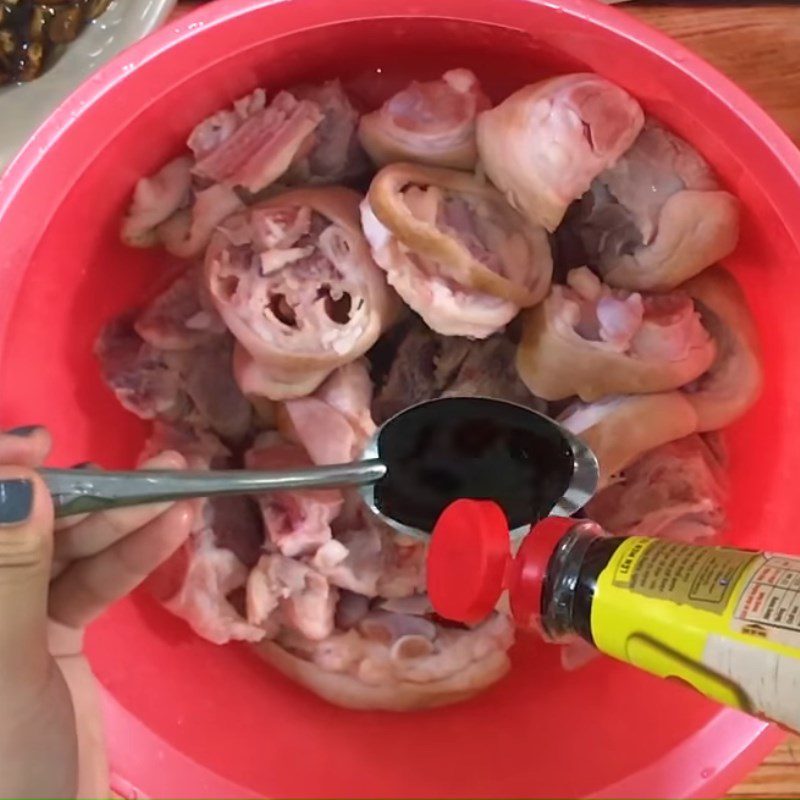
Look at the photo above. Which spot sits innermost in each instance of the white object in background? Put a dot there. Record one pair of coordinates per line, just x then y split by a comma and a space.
24, 106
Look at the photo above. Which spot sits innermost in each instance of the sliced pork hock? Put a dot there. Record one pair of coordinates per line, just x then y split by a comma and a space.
368, 557
187, 232
591, 341
238, 152
182, 316
283, 337
144, 379
676, 491
396, 662
545, 144
202, 577
734, 381
253, 145
294, 593
656, 217
295, 283
620, 429
429, 123
454, 250
195, 385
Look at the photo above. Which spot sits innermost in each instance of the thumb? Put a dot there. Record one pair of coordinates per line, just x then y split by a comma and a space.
26, 549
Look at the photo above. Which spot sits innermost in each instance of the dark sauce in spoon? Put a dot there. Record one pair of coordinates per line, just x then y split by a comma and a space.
444, 450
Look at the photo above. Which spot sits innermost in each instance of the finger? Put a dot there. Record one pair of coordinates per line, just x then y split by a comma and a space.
26, 447
26, 544
86, 588
101, 529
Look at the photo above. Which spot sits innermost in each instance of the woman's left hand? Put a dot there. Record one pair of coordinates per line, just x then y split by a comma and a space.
54, 580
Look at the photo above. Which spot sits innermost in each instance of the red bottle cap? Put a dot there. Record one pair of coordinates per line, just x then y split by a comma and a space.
470, 563
467, 559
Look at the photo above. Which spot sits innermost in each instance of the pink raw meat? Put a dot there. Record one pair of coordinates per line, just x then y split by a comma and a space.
263, 146
334, 423
297, 522
294, 281
677, 491
431, 123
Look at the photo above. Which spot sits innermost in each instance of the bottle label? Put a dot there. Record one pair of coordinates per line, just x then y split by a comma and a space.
769, 603
726, 621
698, 576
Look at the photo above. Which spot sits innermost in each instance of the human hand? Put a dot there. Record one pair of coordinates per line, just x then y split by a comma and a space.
53, 584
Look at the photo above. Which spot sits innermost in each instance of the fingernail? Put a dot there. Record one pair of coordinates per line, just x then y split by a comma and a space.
16, 501
25, 430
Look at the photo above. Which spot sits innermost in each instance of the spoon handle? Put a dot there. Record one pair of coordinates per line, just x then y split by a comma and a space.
77, 491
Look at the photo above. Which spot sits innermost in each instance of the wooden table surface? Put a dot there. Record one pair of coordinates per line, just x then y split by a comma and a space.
758, 45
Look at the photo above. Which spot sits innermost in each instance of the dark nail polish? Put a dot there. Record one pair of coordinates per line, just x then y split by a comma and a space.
25, 430
16, 501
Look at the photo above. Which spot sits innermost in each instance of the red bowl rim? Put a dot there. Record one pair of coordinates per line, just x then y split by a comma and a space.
730, 744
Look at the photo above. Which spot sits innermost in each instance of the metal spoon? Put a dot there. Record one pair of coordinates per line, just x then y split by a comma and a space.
77, 491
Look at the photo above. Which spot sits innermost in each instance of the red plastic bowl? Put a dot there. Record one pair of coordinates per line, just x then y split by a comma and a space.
193, 720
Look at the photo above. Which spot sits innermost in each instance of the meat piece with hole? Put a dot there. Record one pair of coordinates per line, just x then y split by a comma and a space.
454, 250
295, 283
591, 341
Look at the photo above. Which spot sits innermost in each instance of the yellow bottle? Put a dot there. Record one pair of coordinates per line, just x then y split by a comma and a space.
725, 621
